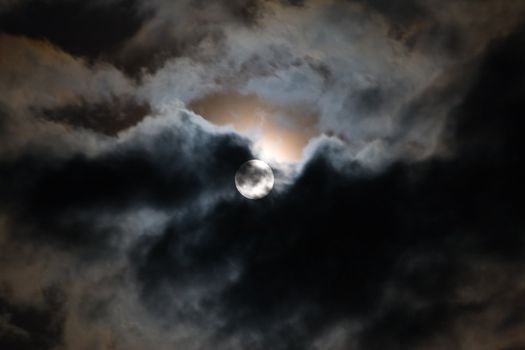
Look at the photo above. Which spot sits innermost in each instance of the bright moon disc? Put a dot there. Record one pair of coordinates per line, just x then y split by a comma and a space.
254, 179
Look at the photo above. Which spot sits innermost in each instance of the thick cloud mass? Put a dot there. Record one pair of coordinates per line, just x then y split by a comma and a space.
400, 228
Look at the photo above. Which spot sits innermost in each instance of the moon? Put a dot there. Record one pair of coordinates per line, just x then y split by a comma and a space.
254, 179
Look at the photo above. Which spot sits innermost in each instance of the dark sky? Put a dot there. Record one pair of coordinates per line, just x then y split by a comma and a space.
395, 130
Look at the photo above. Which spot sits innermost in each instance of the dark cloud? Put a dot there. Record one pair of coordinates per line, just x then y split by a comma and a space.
106, 117
62, 197
101, 30
328, 249
27, 327
84, 29
399, 14
474, 198
178, 29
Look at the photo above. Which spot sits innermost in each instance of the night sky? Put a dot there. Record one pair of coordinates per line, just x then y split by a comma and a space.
395, 131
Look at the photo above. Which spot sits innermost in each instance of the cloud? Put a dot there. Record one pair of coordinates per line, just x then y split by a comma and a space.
91, 30
346, 245
402, 230
385, 60
43, 83
106, 117
360, 78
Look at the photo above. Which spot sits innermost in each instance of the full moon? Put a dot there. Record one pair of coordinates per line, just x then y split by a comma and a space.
254, 179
